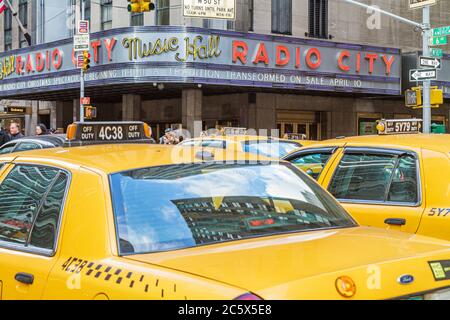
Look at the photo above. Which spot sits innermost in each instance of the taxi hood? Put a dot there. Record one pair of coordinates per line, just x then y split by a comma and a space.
259, 265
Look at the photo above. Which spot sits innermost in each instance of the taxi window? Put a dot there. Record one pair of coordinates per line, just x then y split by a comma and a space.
25, 191
190, 143
218, 144
26, 146
312, 163
404, 181
270, 148
376, 177
45, 227
181, 206
7, 148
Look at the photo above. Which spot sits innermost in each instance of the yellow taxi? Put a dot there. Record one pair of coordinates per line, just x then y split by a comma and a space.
109, 216
399, 180
240, 140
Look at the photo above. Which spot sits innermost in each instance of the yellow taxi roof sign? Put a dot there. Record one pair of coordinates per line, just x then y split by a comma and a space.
399, 126
87, 133
234, 131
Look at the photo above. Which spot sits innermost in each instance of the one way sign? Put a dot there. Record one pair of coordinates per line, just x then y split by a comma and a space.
428, 62
422, 74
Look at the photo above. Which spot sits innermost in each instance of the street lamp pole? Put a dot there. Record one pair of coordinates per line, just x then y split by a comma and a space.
426, 34
82, 72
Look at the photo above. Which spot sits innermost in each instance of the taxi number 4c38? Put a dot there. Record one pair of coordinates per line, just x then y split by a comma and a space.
111, 133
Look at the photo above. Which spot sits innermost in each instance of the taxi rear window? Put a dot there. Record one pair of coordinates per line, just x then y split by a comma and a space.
181, 206
270, 148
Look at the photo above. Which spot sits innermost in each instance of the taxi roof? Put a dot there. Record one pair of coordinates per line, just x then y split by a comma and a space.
436, 142
240, 138
111, 158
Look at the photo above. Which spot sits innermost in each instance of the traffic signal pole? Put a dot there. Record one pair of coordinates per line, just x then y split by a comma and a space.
426, 30
82, 72
426, 35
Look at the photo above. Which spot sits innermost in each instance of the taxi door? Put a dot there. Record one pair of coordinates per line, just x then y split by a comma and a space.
436, 218
378, 187
32, 201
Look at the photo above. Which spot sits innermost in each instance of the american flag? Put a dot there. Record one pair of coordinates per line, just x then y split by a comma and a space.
2, 6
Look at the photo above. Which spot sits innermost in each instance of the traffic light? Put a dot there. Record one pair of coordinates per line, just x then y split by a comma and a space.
414, 97
140, 5
90, 112
134, 6
437, 96
147, 5
86, 61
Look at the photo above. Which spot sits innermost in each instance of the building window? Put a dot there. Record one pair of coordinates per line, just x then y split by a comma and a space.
87, 10
137, 19
23, 16
163, 12
218, 24
318, 19
282, 16
106, 7
8, 29
251, 13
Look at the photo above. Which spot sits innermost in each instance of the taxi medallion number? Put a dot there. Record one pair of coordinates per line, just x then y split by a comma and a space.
399, 126
403, 126
111, 133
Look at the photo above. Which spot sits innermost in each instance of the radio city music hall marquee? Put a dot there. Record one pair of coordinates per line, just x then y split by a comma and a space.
175, 54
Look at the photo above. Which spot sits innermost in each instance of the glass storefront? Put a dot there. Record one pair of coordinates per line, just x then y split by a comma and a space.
302, 123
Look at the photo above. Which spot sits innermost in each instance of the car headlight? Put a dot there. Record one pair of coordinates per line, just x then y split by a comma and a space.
438, 295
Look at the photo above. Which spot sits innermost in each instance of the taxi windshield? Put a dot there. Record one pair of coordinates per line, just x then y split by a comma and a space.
270, 148
181, 206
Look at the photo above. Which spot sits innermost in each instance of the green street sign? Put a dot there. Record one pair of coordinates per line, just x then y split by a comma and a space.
442, 31
438, 53
438, 41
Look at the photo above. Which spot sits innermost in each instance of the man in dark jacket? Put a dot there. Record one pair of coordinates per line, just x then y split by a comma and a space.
14, 131
3, 137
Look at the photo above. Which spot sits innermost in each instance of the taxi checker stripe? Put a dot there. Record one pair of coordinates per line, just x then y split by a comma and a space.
2, 6
95, 269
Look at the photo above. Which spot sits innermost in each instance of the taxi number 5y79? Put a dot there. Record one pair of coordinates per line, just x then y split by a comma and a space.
111, 133
403, 127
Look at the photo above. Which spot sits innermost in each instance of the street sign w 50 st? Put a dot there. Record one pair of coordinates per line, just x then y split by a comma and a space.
417, 4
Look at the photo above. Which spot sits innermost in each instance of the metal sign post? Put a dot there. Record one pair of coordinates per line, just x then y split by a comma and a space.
82, 73
427, 83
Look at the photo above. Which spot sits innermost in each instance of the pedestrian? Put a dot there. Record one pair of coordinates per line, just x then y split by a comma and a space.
14, 131
3, 136
165, 139
41, 129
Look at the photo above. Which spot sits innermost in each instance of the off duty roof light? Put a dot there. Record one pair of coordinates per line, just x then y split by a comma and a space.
399, 126
88, 133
